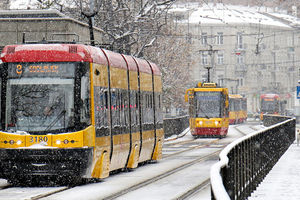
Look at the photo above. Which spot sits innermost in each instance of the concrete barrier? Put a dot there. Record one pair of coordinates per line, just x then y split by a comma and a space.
174, 126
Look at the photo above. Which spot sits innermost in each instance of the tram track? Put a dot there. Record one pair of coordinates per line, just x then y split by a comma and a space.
26, 193
191, 148
195, 189
166, 174
192, 154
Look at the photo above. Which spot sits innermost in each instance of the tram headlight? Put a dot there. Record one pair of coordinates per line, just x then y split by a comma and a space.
216, 123
200, 123
19, 142
58, 142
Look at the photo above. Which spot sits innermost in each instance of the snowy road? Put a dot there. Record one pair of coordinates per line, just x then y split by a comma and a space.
176, 153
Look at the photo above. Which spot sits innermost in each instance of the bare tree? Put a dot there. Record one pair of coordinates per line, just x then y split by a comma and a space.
171, 52
129, 26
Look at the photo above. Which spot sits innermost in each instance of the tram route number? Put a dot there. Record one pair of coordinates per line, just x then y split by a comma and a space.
38, 69
38, 139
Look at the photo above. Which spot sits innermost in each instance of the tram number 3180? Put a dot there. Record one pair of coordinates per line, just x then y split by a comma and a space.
38, 139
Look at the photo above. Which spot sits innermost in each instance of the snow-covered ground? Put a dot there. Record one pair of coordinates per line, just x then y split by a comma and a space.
283, 181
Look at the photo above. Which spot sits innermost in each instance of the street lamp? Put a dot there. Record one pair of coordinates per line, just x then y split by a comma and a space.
208, 72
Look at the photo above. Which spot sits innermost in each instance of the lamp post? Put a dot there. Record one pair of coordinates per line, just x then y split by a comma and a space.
211, 53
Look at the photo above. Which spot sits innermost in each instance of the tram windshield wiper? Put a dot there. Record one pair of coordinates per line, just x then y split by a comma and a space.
205, 114
62, 113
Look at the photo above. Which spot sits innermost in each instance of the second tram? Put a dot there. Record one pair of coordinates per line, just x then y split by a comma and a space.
208, 110
271, 104
237, 109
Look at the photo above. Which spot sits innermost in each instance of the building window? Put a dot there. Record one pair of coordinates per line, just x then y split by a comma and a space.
204, 58
239, 40
204, 38
219, 38
240, 59
220, 80
220, 58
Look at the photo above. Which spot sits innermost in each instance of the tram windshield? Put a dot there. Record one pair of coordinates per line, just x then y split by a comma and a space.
209, 104
269, 106
38, 100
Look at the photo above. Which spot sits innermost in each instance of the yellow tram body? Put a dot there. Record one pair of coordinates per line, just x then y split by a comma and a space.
117, 119
208, 110
237, 109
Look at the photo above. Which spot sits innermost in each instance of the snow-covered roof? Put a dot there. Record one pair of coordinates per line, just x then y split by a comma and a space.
231, 14
292, 20
23, 4
31, 4
51, 13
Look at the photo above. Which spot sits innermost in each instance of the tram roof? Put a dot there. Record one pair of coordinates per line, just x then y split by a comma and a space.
74, 53
269, 96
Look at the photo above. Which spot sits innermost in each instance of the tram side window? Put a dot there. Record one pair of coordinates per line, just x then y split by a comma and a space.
137, 105
133, 111
1, 65
85, 99
101, 111
159, 119
126, 110
144, 108
115, 111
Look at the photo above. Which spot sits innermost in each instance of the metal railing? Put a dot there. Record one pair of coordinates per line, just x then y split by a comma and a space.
245, 162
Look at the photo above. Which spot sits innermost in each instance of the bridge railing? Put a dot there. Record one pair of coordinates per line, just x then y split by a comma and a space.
245, 162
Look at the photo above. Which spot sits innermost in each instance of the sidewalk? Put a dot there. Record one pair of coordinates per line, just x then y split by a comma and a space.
283, 181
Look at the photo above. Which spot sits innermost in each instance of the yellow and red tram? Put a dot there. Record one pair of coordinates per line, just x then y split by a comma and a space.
237, 109
271, 103
73, 111
208, 110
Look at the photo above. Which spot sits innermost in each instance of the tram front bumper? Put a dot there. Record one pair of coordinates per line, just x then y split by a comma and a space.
45, 162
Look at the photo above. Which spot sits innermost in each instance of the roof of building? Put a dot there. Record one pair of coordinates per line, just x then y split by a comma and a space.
233, 14
11, 14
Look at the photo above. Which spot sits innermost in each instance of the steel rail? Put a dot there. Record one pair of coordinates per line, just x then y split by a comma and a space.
163, 175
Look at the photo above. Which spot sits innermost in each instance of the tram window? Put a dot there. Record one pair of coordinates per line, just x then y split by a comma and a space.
85, 99
101, 112
0, 99
137, 102
39, 102
132, 108
159, 103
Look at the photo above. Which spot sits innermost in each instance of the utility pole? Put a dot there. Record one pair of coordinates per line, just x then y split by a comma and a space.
211, 52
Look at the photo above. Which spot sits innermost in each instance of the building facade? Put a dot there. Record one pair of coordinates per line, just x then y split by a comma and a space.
38, 25
4, 4
248, 51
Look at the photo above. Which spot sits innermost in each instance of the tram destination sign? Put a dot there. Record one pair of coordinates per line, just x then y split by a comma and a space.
16, 70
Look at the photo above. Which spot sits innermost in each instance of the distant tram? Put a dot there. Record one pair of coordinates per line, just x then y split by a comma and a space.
271, 104
73, 111
208, 110
237, 109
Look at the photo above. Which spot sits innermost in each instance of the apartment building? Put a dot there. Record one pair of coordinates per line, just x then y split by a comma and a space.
250, 51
